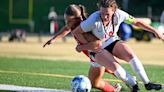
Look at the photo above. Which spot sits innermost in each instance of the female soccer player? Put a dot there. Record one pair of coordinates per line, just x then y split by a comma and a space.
104, 24
73, 15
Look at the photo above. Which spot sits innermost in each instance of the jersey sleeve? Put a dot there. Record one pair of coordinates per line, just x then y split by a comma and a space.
90, 23
125, 17
129, 20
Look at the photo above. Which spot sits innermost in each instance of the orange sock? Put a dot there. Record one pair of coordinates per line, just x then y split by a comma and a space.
108, 88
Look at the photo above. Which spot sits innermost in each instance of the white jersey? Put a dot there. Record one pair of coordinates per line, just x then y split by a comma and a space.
94, 23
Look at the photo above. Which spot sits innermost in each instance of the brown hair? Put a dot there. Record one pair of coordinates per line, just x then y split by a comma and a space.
72, 10
107, 3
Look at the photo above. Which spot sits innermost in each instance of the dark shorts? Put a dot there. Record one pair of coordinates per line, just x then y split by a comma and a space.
111, 46
108, 48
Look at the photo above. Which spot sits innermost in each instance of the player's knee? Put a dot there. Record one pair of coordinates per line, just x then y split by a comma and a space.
128, 57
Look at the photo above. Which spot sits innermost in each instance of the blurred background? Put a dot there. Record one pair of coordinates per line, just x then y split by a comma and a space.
25, 25
33, 16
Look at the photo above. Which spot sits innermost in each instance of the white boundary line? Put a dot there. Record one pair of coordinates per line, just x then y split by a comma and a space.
28, 89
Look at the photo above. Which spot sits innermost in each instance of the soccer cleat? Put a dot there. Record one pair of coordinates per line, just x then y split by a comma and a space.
117, 87
151, 86
135, 88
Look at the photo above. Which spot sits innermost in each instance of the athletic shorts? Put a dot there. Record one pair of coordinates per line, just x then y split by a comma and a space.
92, 54
111, 46
92, 60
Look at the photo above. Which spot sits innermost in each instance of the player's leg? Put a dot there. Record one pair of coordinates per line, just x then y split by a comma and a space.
122, 51
107, 60
95, 74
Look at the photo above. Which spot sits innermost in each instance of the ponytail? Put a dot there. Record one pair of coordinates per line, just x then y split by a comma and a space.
83, 13
74, 10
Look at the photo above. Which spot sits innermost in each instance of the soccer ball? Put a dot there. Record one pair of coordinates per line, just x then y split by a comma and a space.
80, 83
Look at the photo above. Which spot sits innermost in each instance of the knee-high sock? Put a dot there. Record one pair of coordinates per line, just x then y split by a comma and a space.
122, 74
139, 69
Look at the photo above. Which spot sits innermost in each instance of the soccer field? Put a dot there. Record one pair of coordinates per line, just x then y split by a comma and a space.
28, 64
57, 74
148, 53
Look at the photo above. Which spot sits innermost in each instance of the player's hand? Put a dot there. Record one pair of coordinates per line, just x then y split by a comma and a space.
98, 50
160, 34
47, 43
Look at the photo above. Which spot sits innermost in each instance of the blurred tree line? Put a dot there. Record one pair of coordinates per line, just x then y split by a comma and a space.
20, 9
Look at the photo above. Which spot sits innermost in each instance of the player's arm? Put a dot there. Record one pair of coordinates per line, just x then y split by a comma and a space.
94, 45
85, 26
78, 33
64, 31
90, 42
147, 27
131, 20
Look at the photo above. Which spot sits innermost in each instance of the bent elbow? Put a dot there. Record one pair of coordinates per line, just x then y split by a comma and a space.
98, 44
137, 23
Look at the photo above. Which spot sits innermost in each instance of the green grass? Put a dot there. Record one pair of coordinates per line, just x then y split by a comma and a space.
41, 73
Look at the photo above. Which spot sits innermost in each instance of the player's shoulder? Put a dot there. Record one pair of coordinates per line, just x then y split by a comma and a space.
121, 14
92, 19
119, 11
94, 16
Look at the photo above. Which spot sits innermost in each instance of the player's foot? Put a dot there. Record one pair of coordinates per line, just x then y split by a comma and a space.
151, 86
117, 87
135, 88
